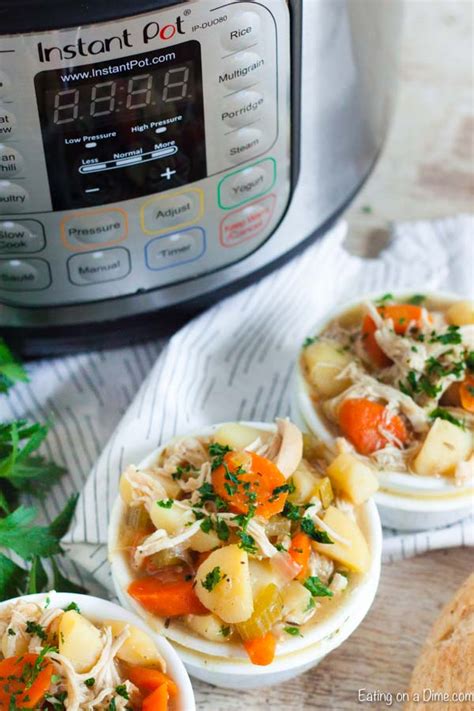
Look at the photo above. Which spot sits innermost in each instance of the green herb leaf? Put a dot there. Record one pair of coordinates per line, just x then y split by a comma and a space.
451, 336
90, 682
308, 527
247, 542
309, 341
165, 504
60, 525
291, 511
33, 627
62, 584
416, 299
470, 361
25, 540
316, 587
222, 530
442, 414
293, 631
12, 578
206, 524
212, 579
73, 606
37, 577
11, 371
383, 299
121, 690
217, 452
225, 631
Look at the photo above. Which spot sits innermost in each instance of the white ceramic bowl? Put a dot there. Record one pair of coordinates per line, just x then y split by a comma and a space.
405, 501
97, 609
227, 665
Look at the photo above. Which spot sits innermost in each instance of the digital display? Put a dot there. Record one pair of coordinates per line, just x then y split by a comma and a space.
120, 129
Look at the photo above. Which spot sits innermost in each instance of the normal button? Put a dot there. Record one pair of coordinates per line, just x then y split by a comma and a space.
176, 210
175, 249
21, 236
95, 228
24, 274
241, 31
99, 267
13, 198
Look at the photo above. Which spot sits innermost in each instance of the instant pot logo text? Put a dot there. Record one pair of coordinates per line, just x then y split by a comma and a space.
153, 32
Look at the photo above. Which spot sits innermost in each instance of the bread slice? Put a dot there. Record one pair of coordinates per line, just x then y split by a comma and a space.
443, 678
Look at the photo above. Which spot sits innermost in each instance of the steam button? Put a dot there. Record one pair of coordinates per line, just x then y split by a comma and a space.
11, 162
241, 31
7, 123
13, 198
244, 144
24, 274
5, 84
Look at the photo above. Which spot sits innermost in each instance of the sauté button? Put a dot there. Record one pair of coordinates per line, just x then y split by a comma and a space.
7, 123
24, 274
94, 228
23, 236
241, 31
241, 70
242, 108
247, 184
11, 161
99, 267
244, 144
13, 198
177, 210
175, 249
5, 84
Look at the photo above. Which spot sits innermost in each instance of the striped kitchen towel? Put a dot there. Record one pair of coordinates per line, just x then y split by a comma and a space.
234, 361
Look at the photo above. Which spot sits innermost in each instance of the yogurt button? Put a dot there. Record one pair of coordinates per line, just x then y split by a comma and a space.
241, 70
247, 184
24, 274
7, 123
11, 161
241, 31
21, 236
242, 108
5, 84
244, 144
13, 198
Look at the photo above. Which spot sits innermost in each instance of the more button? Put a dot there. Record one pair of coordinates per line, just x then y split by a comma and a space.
177, 210
175, 249
96, 228
247, 184
24, 274
99, 267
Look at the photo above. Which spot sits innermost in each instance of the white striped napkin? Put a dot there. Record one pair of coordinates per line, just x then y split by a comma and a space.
232, 362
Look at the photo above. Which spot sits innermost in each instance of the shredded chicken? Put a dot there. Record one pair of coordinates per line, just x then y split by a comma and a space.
145, 488
338, 584
321, 567
160, 540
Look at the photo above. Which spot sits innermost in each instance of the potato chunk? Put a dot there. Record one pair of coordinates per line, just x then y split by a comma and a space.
203, 542
173, 519
138, 648
352, 478
445, 445
262, 574
304, 479
230, 594
208, 626
461, 313
79, 640
297, 601
324, 361
355, 553
236, 436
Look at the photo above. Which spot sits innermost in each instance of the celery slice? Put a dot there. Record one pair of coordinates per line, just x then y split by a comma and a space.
267, 610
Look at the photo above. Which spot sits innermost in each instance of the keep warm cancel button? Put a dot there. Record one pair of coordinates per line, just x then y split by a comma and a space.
248, 222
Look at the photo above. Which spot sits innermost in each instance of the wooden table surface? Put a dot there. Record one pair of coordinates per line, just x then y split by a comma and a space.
424, 172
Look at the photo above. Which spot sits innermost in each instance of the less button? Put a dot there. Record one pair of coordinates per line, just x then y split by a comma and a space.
24, 274
252, 182
99, 267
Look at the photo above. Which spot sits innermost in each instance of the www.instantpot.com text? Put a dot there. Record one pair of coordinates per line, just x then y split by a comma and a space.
118, 68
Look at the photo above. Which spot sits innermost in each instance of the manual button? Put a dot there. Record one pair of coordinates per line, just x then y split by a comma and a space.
177, 210
247, 184
24, 274
95, 228
13, 198
99, 267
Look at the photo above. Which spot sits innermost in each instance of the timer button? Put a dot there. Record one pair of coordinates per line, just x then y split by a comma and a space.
244, 144
241, 70
7, 123
11, 161
5, 84
247, 184
13, 198
241, 31
242, 108
95, 228
175, 249
99, 267
24, 274
24, 236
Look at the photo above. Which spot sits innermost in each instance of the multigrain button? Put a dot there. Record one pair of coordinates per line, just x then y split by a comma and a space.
7, 123
177, 210
175, 249
243, 144
247, 184
23, 236
13, 198
241, 70
5, 84
242, 108
96, 228
24, 274
241, 31
11, 161
99, 267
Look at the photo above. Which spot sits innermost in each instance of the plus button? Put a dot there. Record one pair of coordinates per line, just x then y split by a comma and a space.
168, 173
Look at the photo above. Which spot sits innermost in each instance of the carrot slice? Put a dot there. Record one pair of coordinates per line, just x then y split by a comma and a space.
401, 315
157, 700
167, 599
246, 478
363, 421
16, 686
300, 550
261, 650
466, 393
147, 679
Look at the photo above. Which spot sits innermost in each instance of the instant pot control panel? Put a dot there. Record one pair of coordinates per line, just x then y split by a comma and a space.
141, 152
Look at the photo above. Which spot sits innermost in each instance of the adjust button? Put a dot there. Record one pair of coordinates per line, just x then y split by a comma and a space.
241, 31
247, 184
241, 70
95, 228
11, 162
7, 123
5, 84
160, 213
13, 198
99, 267
24, 274
242, 108
175, 249
23, 236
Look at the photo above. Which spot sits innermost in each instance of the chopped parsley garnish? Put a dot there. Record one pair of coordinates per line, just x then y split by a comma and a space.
35, 628
291, 511
416, 299
217, 452
452, 335
72, 606
294, 631
11, 632
316, 587
225, 631
212, 579
247, 542
121, 690
165, 504
181, 470
284, 488
383, 299
308, 527
90, 682
420, 384
222, 530
208, 494
470, 360
309, 341
112, 706
442, 414
206, 524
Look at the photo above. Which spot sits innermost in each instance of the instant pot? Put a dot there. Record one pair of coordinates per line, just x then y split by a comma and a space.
156, 154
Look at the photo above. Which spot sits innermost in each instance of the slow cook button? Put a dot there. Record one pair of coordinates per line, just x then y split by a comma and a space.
241, 70
246, 223
243, 144
13, 198
242, 108
99, 267
247, 184
97, 228
175, 249
23, 236
24, 274
178, 210
7, 123
11, 162
241, 31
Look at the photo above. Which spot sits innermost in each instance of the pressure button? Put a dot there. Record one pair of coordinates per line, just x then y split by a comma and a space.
241, 31
96, 228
